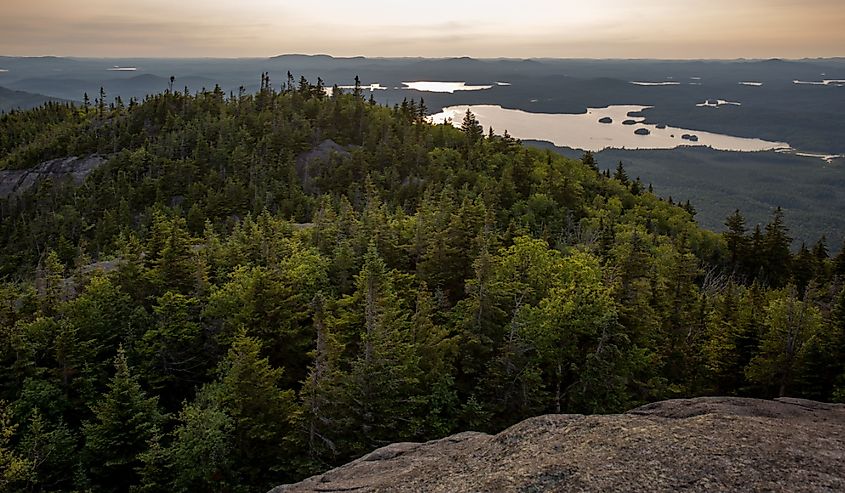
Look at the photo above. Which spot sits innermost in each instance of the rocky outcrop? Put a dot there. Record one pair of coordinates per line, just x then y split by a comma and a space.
311, 163
704, 444
71, 168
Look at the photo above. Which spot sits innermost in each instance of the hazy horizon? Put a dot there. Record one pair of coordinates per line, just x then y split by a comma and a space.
606, 29
410, 57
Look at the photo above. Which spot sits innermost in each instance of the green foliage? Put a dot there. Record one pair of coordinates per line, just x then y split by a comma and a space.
200, 456
380, 391
283, 315
578, 339
14, 469
262, 413
171, 349
125, 419
791, 325
50, 448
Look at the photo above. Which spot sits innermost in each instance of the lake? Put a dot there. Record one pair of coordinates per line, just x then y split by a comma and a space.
446, 87
664, 83
584, 131
711, 103
826, 82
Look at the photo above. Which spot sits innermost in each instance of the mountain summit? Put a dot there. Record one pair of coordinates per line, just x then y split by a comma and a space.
704, 444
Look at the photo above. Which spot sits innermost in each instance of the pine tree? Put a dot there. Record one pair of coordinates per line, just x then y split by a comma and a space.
381, 391
620, 175
736, 240
722, 347
50, 284
321, 419
839, 262
803, 268
777, 257
262, 414
589, 159
125, 420
51, 449
436, 351
15, 470
756, 255
750, 328
480, 316
357, 90
472, 129
171, 350
637, 186
820, 249
201, 456
101, 103
176, 266
837, 348
790, 325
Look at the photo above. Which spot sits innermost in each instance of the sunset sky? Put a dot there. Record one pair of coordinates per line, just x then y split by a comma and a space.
480, 28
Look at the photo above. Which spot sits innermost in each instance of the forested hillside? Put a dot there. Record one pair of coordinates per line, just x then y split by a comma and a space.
231, 302
14, 100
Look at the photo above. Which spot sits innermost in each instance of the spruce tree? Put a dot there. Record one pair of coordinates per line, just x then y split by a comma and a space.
381, 393
321, 418
51, 449
776, 253
589, 159
756, 255
803, 268
436, 351
837, 348
620, 175
171, 350
722, 347
790, 325
125, 420
262, 414
735, 239
820, 249
176, 266
839, 262
472, 129
15, 471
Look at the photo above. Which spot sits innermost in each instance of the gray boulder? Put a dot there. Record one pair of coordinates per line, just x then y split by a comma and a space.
73, 169
310, 164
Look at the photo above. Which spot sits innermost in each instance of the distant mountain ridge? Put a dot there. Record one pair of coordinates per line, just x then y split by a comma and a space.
11, 99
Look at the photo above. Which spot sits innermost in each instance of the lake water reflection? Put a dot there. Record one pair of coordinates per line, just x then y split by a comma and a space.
583, 131
449, 87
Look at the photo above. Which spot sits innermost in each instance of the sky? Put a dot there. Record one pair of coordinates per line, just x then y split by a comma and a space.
673, 29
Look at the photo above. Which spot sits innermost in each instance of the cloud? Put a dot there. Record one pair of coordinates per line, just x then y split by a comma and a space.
565, 28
